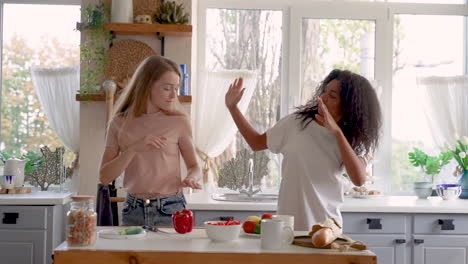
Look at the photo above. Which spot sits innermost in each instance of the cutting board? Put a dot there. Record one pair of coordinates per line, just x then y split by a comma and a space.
306, 241
18, 190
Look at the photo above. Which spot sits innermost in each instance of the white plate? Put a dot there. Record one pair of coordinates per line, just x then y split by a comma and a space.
366, 196
114, 234
250, 234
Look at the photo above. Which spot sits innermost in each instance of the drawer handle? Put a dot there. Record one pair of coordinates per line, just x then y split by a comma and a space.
225, 218
446, 224
374, 223
419, 241
400, 241
10, 218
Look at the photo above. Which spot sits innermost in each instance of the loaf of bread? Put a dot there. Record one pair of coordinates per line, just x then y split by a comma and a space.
323, 237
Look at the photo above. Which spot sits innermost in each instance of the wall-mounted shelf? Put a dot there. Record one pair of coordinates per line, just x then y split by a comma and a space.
185, 99
160, 30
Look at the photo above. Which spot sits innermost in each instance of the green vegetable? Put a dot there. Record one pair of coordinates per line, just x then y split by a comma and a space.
133, 230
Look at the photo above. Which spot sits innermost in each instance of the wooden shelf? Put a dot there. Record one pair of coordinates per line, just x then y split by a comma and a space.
151, 29
102, 97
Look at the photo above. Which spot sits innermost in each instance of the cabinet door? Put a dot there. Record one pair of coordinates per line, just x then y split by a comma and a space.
437, 249
390, 249
23, 247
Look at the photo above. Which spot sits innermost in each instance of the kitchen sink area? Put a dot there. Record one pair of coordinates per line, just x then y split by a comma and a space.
242, 197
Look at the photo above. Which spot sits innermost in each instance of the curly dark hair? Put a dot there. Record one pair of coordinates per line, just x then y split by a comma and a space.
362, 117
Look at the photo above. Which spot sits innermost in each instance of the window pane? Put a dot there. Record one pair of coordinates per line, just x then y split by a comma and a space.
33, 37
335, 43
422, 47
250, 40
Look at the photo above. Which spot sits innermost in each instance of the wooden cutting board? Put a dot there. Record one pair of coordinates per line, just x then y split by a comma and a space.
18, 190
306, 241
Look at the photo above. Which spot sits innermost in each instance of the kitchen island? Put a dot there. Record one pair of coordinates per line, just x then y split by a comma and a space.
196, 247
398, 229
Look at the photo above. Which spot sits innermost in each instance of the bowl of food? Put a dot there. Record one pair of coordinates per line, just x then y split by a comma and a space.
220, 231
449, 191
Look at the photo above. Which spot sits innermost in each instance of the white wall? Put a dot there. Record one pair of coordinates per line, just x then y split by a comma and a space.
93, 114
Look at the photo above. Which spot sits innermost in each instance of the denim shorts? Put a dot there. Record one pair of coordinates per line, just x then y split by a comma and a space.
151, 211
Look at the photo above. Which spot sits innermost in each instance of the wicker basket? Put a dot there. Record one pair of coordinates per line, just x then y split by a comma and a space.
123, 58
145, 7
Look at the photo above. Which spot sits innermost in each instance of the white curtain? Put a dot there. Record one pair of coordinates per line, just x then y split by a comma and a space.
213, 127
56, 89
445, 107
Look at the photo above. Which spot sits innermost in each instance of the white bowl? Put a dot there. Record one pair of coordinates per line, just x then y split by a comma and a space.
219, 233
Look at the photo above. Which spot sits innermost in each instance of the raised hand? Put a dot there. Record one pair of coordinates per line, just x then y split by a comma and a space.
155, 141
234, 94
326, 118
190, 182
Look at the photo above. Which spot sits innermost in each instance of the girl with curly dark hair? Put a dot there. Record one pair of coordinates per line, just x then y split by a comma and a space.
335, 130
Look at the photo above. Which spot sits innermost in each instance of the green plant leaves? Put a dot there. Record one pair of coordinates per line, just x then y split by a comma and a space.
429, 164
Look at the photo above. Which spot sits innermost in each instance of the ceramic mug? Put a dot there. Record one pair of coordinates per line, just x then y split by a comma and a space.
287, 219
274, 234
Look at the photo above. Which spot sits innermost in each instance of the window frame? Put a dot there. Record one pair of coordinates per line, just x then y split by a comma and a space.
382, 12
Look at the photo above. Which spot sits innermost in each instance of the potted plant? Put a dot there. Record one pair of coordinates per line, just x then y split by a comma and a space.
459, 151
431, 166
93, 48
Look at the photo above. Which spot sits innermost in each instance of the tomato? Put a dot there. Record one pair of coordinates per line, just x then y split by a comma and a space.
249, 226
267, 216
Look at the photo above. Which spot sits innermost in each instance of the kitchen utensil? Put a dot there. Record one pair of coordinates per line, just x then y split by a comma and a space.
154, 229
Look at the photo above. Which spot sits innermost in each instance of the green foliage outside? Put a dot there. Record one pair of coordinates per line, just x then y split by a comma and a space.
24, 127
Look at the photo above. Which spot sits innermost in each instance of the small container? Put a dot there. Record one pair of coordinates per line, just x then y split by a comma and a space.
81, 221
184, 82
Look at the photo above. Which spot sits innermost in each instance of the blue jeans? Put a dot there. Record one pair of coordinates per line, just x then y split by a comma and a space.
151, 211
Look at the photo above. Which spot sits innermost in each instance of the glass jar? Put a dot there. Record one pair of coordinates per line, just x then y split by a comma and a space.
81, 221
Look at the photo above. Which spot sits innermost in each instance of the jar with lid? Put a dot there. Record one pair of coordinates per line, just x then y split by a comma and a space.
81, 221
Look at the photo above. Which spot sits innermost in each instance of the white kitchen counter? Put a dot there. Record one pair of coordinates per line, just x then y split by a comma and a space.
384, 204
35, 198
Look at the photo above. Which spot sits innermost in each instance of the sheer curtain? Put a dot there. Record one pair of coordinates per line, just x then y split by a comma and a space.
446, 107
213, 127
56, 89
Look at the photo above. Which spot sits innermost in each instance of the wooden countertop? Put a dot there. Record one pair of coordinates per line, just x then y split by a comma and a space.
195, 247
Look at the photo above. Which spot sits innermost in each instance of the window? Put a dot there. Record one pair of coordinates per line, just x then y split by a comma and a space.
33, 37
392, 44
249, 40
423, 47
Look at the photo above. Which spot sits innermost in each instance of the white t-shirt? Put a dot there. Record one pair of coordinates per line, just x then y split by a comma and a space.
312, 184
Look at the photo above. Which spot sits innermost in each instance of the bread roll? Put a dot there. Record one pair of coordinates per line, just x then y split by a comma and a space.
323, 237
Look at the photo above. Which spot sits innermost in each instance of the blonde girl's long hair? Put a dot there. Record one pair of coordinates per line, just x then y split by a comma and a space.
133, 101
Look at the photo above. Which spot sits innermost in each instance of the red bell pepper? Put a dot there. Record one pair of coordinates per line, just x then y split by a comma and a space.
183, 221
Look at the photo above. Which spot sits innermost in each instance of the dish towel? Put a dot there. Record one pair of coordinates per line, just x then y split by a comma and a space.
103, 206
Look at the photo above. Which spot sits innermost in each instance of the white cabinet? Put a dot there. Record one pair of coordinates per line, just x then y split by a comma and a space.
384, 233
411, 238
29, 233
440, 238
